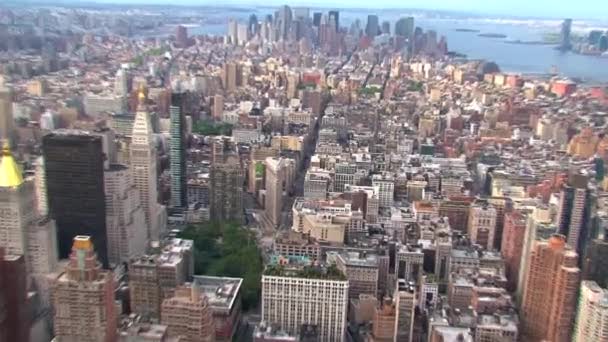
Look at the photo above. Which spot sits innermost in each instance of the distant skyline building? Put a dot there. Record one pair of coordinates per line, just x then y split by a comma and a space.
178, 153
74, 172
335, 15
284, 21
83, 297
565, 35
181, 36
371, 29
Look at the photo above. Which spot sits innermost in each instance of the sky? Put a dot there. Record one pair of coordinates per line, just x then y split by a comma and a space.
590, 9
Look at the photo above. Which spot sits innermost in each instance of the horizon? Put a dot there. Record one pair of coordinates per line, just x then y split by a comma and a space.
541, 9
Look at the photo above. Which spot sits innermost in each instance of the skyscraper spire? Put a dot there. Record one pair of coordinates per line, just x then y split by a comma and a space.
10, 172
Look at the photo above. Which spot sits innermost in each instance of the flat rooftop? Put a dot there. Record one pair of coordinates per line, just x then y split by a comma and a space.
221, 291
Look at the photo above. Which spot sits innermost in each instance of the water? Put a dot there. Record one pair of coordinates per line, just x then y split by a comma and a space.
519, 58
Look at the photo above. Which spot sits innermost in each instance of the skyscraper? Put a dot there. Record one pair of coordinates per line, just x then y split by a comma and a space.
178, 153
592, 316
595, 261
284, 20
226, 179
14, 311
512, 246
6, 113
405, 302
548, 308
74, 166
143, 165
189, 315
279, 175
181, 36
573, 211
126, 223
371, 29
336, 18
564, 38
83, 297
405, 27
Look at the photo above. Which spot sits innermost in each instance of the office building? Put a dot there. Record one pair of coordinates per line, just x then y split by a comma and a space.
280, 174
126, 222
188, 315
181, 36
6, 114
383, 323
405, 303
549, 301
153, 278
121, 83
592, 316
232, 76
224, 296
512, 245
362, 272
178, 154
386, 189
335, 16
372, 28
405, 27
226, 179
482, 225
74, 172
83, 298
284, 21
144, 168
595, 261
565, 42
316, 298
573, 212
14, 311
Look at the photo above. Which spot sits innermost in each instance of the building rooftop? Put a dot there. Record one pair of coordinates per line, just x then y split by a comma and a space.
222, 292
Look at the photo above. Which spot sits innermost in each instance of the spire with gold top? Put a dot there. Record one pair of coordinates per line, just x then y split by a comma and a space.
141, 98
10, 172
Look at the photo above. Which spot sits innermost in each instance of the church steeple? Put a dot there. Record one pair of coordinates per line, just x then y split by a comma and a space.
10, 172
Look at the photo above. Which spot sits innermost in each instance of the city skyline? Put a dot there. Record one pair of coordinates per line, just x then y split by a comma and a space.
585, 9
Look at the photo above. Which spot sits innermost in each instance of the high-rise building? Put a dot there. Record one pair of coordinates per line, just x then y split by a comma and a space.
573, 212
17, 205
383, 324
592, 316
549, 302
178, 154
181, 36
126, 222
231, 76
482, 225
42, 204
280, 173
121, 83
335, 15
14, 311
386, 187
284, 20
153, 278
6, 113
226, 179
83, 298
595, 261
233, 31
371, 29
319, 300
189, 315
74, 166
512, 246
144, 168
405, 302
405, 27
362, 272
564, 39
